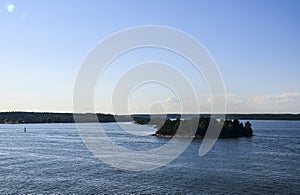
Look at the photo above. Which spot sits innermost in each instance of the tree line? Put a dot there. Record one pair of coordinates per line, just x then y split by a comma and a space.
47, 117
44, 117
197, 127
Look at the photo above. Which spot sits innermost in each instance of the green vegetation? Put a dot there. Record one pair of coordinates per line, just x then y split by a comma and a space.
41, 117
142, 120
46, 117
228, 116
264, 116
186, 128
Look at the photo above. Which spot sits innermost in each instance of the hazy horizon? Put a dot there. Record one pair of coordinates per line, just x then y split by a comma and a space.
65, 112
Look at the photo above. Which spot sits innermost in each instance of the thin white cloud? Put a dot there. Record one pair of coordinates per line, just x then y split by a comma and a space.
277, 98
172, 100
275, 103
229, 98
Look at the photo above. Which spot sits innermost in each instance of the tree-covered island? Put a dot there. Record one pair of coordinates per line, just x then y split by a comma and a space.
197, 127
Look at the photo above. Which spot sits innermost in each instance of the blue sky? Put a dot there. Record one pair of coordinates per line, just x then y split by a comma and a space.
256, 45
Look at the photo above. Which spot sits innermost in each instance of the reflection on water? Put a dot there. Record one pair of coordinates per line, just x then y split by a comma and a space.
51, 158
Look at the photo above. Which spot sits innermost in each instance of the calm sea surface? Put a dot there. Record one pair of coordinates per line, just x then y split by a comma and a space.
51, 158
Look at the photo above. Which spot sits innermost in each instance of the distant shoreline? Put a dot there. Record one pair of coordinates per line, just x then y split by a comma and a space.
51, 117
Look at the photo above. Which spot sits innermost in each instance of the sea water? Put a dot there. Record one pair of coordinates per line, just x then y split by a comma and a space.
52, 158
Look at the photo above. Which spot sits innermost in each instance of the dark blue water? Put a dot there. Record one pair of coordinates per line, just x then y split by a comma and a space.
51, 158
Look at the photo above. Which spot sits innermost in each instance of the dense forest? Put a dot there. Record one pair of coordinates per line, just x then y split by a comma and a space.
227, 116
264, 116
46, 117
182, 128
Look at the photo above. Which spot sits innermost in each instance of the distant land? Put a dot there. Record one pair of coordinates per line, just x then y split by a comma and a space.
48, 117
227, 116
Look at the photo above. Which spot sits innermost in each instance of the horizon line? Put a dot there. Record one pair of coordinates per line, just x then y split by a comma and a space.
68, 112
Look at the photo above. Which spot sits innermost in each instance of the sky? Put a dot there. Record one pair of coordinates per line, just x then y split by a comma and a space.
255, 44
